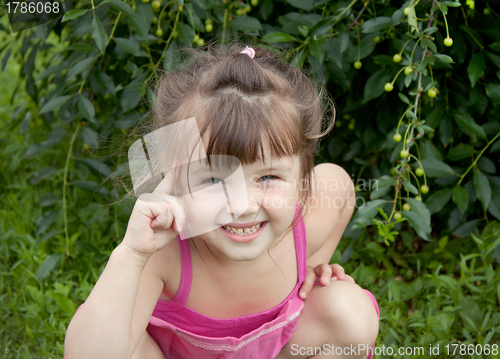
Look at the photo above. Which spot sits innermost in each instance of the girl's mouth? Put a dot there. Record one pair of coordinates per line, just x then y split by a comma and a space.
243, 231
243, 234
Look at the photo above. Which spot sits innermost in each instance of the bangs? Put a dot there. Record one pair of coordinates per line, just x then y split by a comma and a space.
241, 126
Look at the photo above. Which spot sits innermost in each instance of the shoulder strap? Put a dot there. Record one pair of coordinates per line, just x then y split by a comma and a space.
186, 276
299, 234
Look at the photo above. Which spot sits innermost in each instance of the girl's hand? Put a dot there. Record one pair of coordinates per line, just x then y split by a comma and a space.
156, 219
323, 273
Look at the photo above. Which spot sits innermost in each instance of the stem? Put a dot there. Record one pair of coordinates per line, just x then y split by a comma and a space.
478, 157
65, 184
114, 28
224, 26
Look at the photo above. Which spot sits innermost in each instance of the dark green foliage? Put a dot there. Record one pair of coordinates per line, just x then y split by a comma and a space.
73, 91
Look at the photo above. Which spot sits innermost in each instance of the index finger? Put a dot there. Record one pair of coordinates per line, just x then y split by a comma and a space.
166, 185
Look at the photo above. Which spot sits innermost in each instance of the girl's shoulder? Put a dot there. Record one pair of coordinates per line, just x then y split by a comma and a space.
329, 209
167, 265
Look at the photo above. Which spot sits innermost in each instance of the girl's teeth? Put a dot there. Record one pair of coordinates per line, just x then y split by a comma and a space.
243, 231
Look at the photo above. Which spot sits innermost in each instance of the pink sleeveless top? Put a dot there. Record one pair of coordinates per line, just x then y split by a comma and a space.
184, 333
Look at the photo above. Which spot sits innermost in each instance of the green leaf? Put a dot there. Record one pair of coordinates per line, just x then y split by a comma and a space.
278, 37
444, 58
48, 266
493, 92
86, 108
483, 188
99, 34
460, 152
97, 165
476, 67
246, 24
468, 125
123, 7
73, 14
494, 207
411, 188
435, 168
377, 24
438, 200
51, 70
307, 5
130, 46
54, 103
91, 186
368, 210
318, 50
79, 67
460, 197
418, 223
382, 184
375, 85
412, 19
81, 47
130, 98
90, 137
420, 208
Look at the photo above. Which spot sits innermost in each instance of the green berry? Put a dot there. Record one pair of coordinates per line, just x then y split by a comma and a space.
175, 33
404, 153
418, 198
200, 42
397, 58
208, 21
424, 189
209, 27
419, 172
377, 39
346, 117
388, 87
397, 137
408, 70
486, 11
351, 126
406, 207
393, 171
338, 123
407, 11
397, 216
431, 93
254, 3
155, 20
448, 41
159, 33
357, 65
239, 12
248, 8
156, 5
431, 135
196, 38
145, 1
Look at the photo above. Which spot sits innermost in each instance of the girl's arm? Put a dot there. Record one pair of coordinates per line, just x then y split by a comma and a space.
111, 321
326, 223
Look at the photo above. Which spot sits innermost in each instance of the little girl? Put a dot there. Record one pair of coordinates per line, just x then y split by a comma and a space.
242, 285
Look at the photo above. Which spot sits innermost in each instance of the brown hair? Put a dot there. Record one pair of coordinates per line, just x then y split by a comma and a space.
243, 103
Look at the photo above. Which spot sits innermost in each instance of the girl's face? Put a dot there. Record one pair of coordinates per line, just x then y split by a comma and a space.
240, 210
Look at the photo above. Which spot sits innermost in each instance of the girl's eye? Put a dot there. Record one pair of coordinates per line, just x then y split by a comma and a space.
268, 177
214, 180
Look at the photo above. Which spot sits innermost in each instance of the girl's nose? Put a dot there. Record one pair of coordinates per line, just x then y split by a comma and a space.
242, 201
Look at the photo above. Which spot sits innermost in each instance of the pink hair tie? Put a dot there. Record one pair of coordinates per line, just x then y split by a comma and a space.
249, 51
